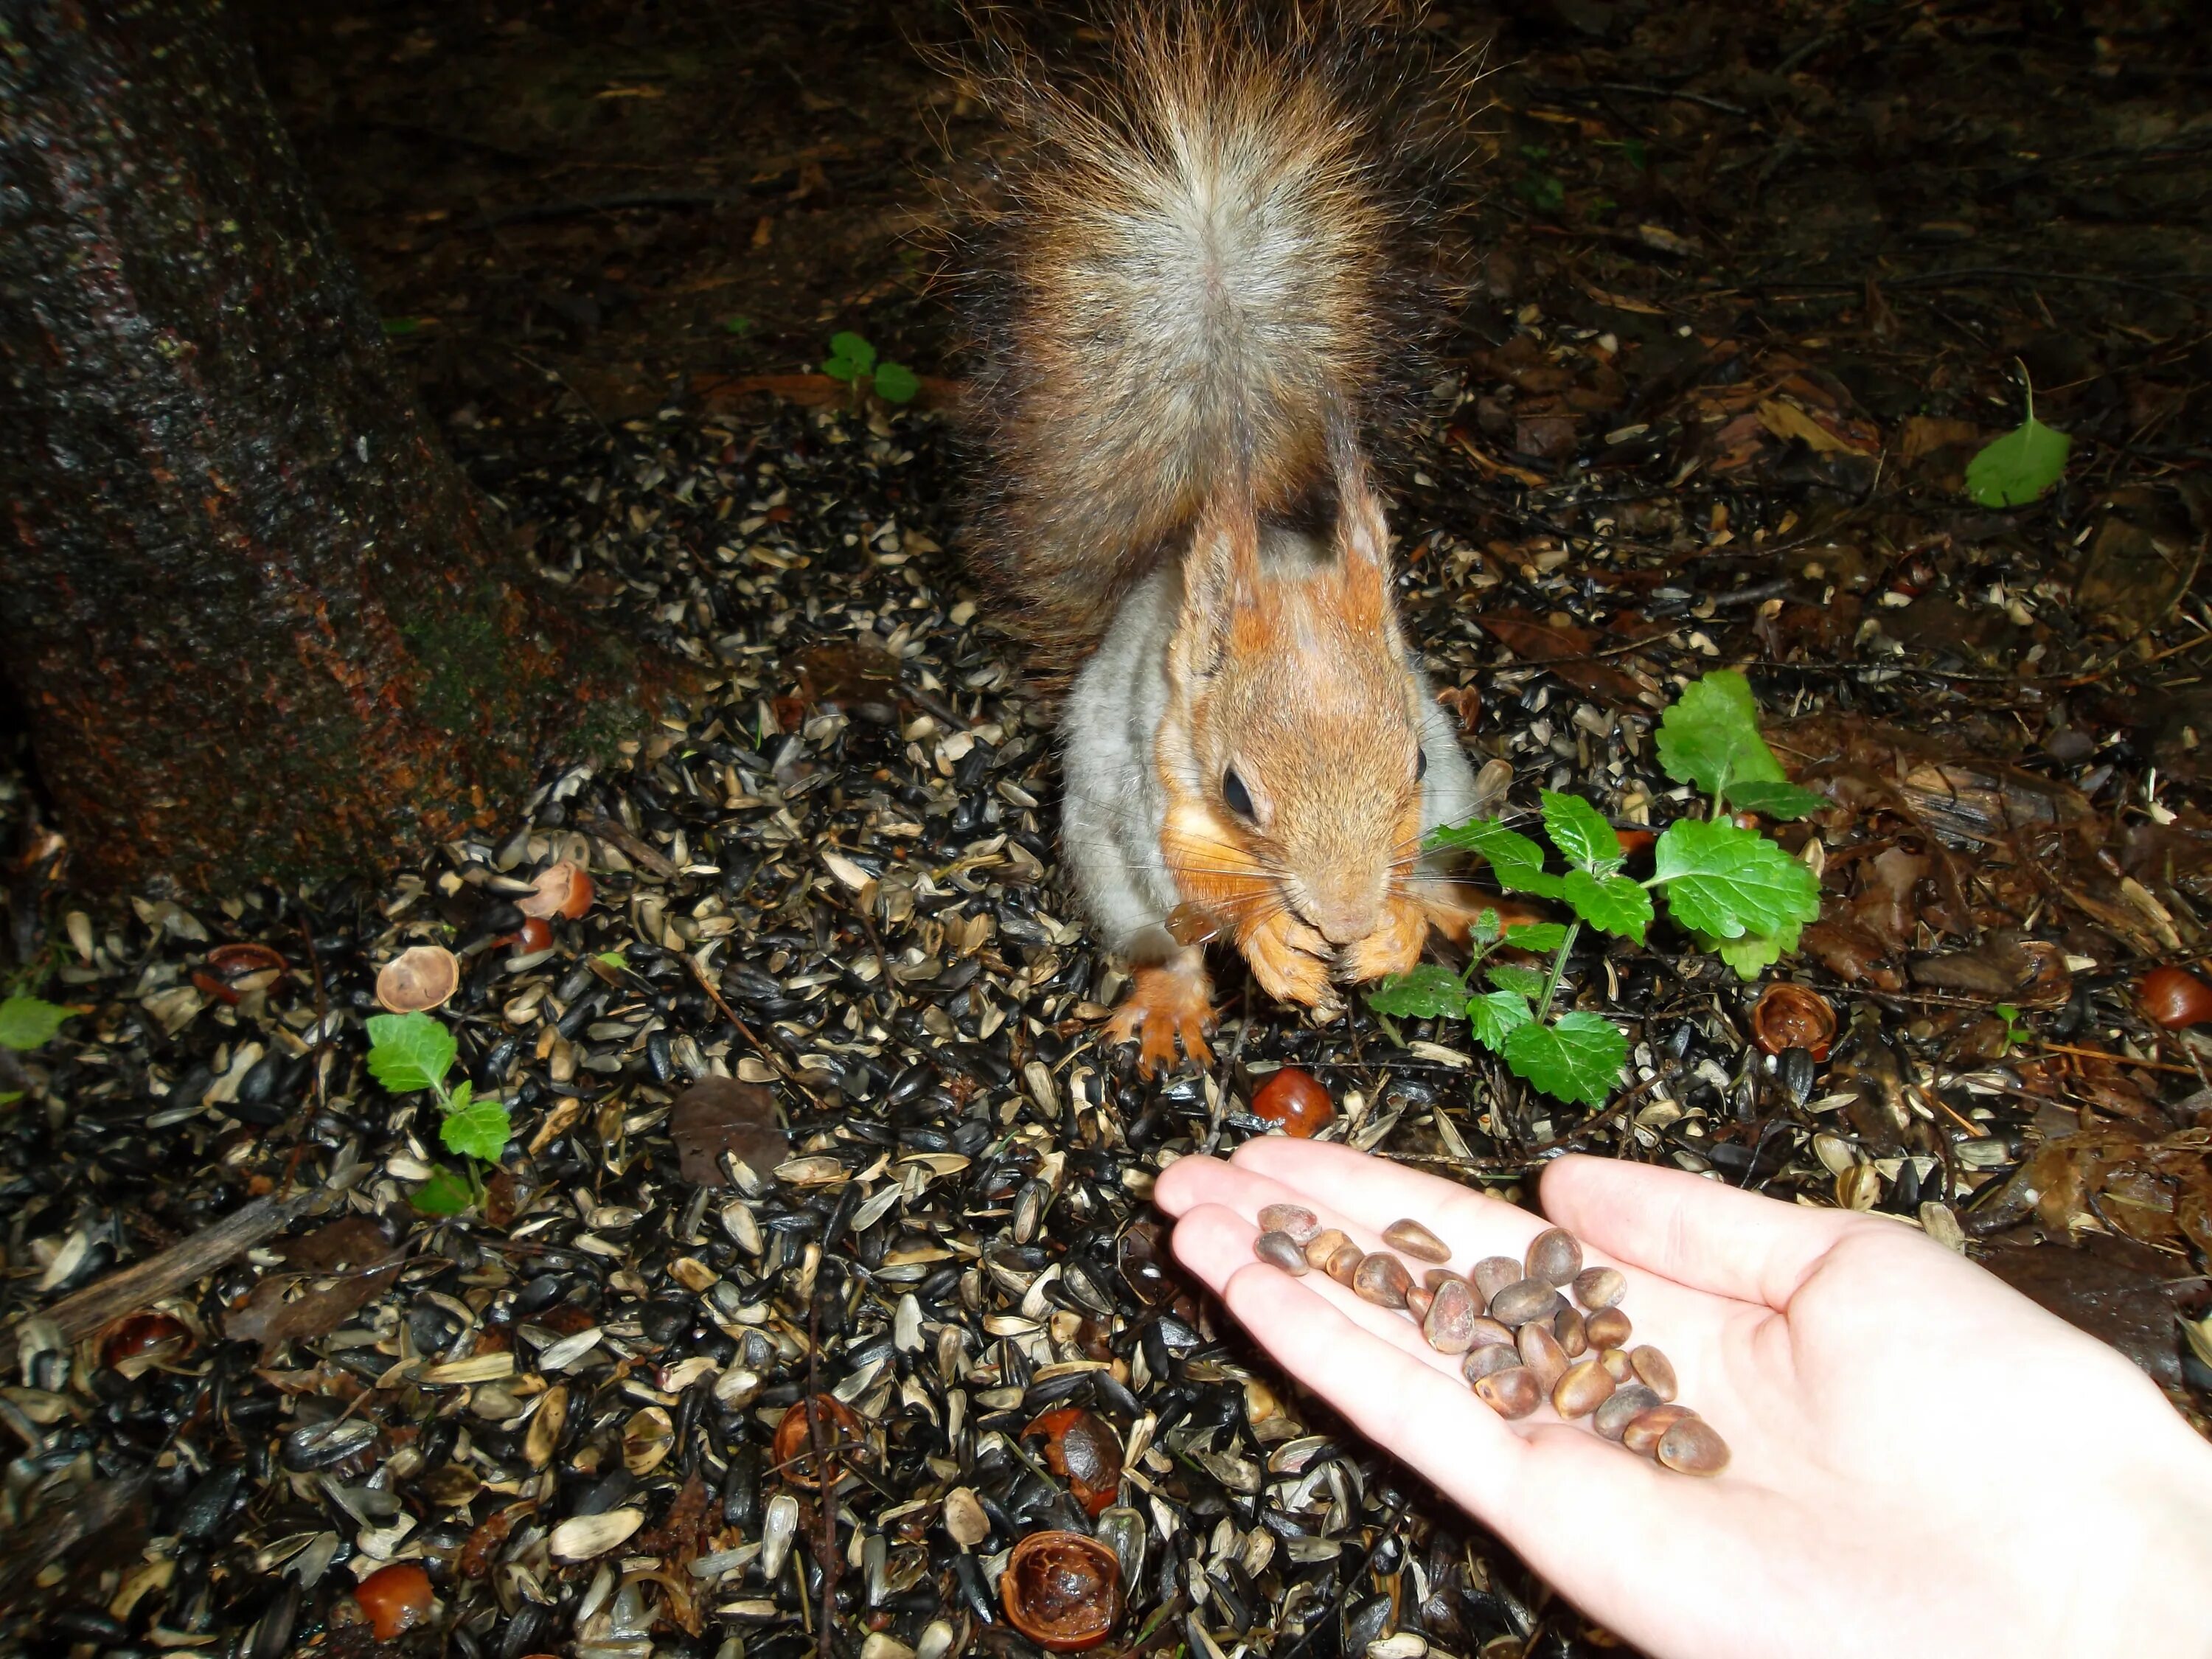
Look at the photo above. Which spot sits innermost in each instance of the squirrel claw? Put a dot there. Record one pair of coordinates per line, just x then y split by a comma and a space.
1289, 960
1395, 946
1167, 1002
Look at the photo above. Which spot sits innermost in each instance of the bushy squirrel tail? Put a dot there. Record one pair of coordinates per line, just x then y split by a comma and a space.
1190, 270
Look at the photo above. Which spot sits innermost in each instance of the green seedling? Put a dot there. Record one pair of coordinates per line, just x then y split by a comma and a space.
854, 360
2013, 469
1731, 887
407, 1053
28, 1023
2016, 1033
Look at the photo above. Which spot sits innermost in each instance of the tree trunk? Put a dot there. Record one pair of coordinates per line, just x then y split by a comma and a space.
248, 609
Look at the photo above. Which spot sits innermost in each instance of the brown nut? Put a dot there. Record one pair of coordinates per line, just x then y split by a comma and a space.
1510, 1392
1296, 1100
1582, 1390
1540, 1352
1788, 1016
844, 1437
419, 978
1524, 1300
1483, 1362
1449, 1322
1655, 1371
1324, 1244
1418, 1299
1574, 1337
1416, 1241
1281, 1250
1616, 1364
1344, 1263
560, 890
1622, 1407
1300, 1223
1608, 1327
1599, 1287
1382, 1279
1691, 1446
1487, 1332
1493, 1274
1062, 1590
1081, 1447
1643, 1434
1553, 1256
2173, 999
394, 1599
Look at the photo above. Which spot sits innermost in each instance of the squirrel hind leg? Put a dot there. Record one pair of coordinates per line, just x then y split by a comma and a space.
1167, 1002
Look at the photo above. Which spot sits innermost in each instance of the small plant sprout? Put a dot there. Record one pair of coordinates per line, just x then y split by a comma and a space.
2013, 469
854, 360
1733, 890
412, 1052
28, 1023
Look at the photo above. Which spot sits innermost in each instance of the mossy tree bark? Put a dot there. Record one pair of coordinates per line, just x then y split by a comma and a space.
250, 611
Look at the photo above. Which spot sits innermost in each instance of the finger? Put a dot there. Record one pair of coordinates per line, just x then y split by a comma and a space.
1575, 1507
1409, 1407
1694, 1231
1365, 1194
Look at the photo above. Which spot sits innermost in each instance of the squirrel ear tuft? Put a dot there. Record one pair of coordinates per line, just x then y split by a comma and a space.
1363, 539
1220, 581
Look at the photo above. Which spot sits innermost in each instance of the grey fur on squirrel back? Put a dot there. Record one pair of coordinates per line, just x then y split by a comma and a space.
1192, 264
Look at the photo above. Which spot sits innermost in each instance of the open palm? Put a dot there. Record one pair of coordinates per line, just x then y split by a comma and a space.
1924, 1461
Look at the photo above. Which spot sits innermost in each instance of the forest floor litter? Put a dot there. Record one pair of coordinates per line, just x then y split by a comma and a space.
820, 1270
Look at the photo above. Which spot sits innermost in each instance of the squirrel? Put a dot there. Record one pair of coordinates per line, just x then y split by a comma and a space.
1196, 296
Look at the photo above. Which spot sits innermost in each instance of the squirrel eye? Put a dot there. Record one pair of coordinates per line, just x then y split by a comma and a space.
1234, 791
1421, 764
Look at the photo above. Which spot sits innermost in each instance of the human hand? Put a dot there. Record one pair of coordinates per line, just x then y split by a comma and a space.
1924, 1461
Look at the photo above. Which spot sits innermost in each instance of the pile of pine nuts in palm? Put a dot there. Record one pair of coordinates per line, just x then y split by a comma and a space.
1523, 1340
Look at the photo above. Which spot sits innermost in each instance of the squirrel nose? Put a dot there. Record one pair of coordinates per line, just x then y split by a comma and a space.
1344, 919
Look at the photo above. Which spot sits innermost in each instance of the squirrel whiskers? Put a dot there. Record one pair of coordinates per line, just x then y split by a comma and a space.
1198, 298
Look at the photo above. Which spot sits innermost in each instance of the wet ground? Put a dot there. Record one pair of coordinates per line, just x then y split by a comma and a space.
1749, 291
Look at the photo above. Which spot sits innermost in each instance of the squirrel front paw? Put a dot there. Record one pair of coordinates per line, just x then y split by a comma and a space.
1395, 946
1167, 1001
1289, 960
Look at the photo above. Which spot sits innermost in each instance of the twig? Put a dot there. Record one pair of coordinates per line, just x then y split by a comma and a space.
825, 1475
124, 1291
1699, 98
2116, 1060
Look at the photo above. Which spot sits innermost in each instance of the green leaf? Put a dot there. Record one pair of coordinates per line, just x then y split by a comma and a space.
1711, 736
10, 1097
479, 1129
2013, 469
1541, 936
1578, 1056
30, 1022
443, 1193
1485, 928
1728, 881
613, 959
1521, 981
850, 357
1780, 802
1515, 862
895, 383
1495, 1014
1754, 953
408, 1052
394, 327
740, 326
1578, 831
1612, 904
1427, 992
457, 1098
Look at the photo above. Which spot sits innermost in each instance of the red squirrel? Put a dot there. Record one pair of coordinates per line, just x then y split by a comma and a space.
1196, 296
